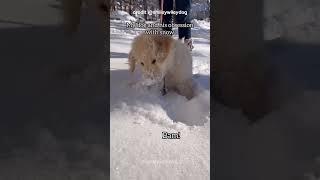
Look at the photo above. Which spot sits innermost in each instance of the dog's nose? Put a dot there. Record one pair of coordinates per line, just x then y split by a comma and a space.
147, 76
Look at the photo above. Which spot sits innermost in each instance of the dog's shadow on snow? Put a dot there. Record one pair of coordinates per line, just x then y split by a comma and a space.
194, 112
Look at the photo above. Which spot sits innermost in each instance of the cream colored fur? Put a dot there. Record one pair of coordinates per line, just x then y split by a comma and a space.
163, 57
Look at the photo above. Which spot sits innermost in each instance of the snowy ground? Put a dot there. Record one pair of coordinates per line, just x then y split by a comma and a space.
51, 128
139, 116
294, 19
284, 145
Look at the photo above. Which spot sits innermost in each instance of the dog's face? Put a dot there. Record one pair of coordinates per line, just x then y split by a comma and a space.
150, 52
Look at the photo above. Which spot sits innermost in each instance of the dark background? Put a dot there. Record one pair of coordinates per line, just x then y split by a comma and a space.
53, 114
283, 143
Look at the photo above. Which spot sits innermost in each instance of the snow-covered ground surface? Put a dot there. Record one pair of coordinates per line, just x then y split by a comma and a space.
293, 19
51, 128
138, 117
284, 145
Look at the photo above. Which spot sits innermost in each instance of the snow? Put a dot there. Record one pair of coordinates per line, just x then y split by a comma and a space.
139, 115
295, 20
122, 15
285, 143
201, 24
200, 10
52, 158
49, 127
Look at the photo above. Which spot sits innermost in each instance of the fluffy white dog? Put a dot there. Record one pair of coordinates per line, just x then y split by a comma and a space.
163, 59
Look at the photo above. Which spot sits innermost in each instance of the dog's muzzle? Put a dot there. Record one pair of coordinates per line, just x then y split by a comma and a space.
152, 79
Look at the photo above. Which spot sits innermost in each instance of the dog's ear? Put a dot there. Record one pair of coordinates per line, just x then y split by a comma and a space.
132, 61
71, 15
162, 44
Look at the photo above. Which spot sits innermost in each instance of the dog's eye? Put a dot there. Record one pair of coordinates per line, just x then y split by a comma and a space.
153, 61
142, 63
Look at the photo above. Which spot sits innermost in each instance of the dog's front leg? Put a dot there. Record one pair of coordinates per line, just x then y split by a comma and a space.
186, 89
